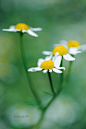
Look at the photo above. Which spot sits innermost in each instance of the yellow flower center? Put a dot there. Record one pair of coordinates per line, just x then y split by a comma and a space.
61, 50
73, 43
47, 65
22, 26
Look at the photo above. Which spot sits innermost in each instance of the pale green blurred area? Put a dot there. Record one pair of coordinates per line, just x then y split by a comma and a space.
60, 20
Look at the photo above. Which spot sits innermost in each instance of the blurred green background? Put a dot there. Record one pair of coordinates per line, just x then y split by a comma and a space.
60, 20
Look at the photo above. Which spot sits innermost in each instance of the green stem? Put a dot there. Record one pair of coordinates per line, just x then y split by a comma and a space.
44, 111
61, 77
51, 83
23, 60
63, 84
69, 70
68, 76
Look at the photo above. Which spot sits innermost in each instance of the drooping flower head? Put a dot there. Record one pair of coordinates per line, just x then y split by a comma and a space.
45, 66
24, 28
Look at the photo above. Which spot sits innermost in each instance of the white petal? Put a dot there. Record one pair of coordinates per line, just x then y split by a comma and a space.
12, 27
61, 68
56, 54
50, 70
48, 57
68, 57
74, 50
40, 61
82, 47
57, 61
44, 71
10, 30
54, 57
46, 52
56, 70
16, 30
23, 31
35, 29
32, 33
35, 69
38, 68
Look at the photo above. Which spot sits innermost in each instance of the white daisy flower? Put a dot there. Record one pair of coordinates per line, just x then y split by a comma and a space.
57, 54
22, 27
46, 65
73, 46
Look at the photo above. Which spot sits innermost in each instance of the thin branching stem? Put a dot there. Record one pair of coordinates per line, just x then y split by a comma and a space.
24, 62
51, 85
61, 75
63, 84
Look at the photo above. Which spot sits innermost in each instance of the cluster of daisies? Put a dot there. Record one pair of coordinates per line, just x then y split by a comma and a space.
53, 59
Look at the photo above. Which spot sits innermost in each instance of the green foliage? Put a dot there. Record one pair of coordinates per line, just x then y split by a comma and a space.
60, 20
